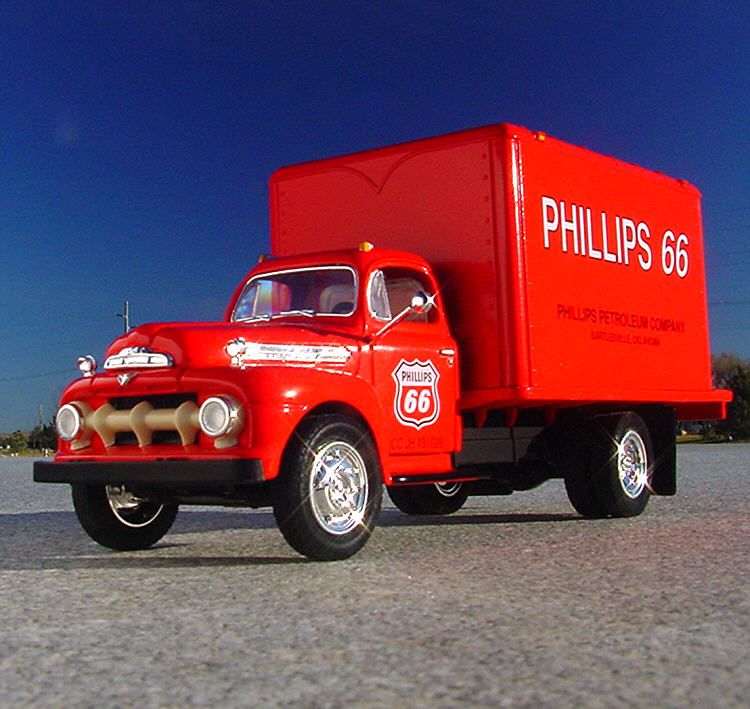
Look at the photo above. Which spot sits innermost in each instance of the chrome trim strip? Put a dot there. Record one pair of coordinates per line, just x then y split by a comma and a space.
138, 357
244, 353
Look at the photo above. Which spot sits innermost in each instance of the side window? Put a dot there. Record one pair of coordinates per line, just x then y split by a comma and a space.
263, 298
392, 289
379, 305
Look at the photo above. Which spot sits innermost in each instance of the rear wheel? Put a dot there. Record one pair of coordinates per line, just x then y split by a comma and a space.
436, 499
614, 477
329, 493
117, 518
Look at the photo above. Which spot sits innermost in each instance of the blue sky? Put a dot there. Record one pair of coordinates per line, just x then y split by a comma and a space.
137, 138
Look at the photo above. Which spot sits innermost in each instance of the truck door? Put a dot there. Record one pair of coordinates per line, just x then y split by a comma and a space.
414, 366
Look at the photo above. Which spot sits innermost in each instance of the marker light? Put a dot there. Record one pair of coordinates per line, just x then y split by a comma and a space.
366, 246
68, 422
87, 365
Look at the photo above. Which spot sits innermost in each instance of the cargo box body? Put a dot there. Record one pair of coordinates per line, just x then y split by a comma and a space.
570, 278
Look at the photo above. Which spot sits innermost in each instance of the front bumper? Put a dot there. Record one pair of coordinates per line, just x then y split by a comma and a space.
158, 474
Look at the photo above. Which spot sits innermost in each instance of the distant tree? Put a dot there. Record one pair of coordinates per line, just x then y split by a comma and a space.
736, 378
729, 371
17, 442
43, 437
725, 366
49, 435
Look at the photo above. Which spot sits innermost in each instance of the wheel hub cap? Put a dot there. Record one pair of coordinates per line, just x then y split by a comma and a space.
131, 510
632, 464
448, 489
338, 488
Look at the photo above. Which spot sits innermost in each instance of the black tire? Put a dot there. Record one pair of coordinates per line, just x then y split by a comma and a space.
328, 496
117, 519
613, 477
436, 499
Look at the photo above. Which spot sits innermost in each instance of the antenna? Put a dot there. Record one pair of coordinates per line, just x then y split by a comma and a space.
125, 315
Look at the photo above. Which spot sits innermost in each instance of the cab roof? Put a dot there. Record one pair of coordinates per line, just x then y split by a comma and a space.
361, 259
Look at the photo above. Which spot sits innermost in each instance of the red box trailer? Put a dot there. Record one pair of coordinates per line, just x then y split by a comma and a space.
470, 314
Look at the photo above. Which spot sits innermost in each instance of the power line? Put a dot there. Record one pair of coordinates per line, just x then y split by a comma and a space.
733, 252
26, 377
743, 301
731, 228
734, 264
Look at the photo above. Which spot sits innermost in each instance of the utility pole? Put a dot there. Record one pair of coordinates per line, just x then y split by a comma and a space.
125, 315
33, 443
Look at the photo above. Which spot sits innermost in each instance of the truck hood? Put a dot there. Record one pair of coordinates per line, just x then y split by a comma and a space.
199, 345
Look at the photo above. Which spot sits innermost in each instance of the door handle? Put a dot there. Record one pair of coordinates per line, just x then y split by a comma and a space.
447, 352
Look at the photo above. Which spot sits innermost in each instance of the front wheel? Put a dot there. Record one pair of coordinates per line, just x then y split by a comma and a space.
435, 499
329, 493
117, 518
615, 478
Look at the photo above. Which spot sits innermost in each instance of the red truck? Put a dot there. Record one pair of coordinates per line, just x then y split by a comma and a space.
471, 314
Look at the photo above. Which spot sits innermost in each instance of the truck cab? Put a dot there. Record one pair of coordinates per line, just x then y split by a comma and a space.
331, 374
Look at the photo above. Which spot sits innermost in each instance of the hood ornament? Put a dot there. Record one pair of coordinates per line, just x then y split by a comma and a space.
124, 378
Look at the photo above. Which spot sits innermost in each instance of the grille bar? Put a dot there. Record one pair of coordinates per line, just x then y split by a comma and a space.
142, 420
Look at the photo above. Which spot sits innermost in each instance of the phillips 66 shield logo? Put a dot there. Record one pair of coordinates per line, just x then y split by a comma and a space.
417, 402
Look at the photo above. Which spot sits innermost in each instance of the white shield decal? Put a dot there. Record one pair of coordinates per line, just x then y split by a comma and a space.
417, 400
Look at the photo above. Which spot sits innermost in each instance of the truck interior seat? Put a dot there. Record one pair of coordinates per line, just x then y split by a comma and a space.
337, 299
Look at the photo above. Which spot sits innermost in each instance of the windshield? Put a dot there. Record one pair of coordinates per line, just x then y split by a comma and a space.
306, 292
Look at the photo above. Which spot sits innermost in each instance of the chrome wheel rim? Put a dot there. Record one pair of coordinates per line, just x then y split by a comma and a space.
129, 509
632, 464
338, 488
448, 489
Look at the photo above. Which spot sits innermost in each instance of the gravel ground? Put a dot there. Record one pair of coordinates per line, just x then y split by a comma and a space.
512, 602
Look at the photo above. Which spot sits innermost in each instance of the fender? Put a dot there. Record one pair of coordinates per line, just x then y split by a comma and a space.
285, 394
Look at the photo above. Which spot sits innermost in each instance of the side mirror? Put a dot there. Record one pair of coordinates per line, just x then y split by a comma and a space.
420, 303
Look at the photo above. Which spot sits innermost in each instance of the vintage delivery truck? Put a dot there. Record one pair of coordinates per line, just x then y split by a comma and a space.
471, 314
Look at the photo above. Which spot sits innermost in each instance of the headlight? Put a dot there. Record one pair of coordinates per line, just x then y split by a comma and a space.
68, 422
219, 416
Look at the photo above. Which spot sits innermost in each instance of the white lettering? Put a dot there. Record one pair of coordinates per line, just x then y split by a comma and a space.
683, 261
608, 256
628, 237
568, 226
593, 251
550, 225
643, 235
